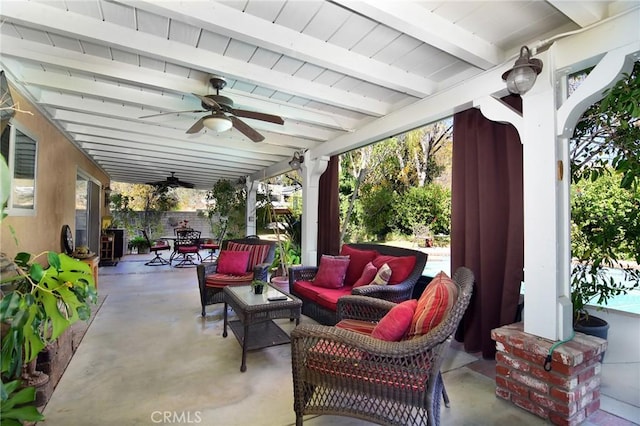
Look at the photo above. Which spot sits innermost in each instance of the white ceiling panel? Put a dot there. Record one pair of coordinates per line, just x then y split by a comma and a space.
328, 69
152, 23
119, 14
296, 15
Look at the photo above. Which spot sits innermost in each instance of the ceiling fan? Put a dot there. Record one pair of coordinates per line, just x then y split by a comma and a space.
223, 115
172, 182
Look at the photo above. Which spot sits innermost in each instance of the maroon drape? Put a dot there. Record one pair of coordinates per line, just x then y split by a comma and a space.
487, 222
329, 210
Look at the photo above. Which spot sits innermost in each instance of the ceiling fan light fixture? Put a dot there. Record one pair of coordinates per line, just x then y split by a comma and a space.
522, 76
217, 123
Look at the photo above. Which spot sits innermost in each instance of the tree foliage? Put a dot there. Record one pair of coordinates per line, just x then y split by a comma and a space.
608, 134
605, 206
375, 180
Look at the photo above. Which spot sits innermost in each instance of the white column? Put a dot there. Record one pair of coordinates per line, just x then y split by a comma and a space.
250, 216
311, 171
545, 130
546, 213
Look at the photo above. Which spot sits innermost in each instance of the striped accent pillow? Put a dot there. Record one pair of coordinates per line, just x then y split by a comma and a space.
434, 304
383, 275
359, 326
258, 252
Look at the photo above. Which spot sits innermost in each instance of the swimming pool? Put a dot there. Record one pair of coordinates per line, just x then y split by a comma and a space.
629, 302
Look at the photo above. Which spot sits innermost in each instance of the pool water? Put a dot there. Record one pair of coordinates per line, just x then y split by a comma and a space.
629, 302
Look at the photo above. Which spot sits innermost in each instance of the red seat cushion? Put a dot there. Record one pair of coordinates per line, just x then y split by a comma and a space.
401, 266
395, 324
331, 271
434, 304
328, 297
188, 249
222, 280
307, 290
232, 262
351, 364
358, 259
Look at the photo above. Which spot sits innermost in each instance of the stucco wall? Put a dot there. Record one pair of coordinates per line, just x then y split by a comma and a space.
57, 165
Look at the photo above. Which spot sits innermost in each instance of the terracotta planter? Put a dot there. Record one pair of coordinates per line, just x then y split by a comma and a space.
281, 283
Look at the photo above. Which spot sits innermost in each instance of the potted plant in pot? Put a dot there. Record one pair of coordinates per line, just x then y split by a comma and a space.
140, 244
605, 237
288, 251
40, 297
258, 286
605, 194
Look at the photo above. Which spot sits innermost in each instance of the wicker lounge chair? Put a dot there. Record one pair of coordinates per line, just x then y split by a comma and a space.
211, 284
342, 372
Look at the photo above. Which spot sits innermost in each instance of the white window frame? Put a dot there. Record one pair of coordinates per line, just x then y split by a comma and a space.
12, 210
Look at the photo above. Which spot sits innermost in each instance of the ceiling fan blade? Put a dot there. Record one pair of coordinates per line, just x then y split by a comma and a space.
258, 116
185, 184
245, 129
172, 112
197, 126
208, 101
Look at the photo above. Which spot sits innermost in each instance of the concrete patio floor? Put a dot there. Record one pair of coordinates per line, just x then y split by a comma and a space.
149, 358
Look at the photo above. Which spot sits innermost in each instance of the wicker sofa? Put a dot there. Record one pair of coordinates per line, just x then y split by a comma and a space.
321, 304
211, 284
339, 371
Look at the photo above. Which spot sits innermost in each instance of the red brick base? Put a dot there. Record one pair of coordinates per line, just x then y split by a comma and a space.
567, 394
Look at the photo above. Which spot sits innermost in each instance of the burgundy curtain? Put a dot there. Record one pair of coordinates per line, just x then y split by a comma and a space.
329, 210
487, 223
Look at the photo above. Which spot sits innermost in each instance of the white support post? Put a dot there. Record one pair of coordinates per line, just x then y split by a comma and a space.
545, 130
311, 171
250, 215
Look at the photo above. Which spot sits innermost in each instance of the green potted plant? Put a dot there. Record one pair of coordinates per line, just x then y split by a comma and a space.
605, 234
140, 244
258, 286
38, 303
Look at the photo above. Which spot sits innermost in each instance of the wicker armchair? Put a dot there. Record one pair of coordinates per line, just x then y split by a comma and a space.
393, 293
342, 372
211, 293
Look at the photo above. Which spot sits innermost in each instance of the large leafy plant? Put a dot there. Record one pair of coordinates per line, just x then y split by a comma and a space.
38, 304
605, 241
605, 206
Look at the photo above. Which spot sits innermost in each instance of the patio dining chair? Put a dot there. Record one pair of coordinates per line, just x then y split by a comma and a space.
187, 246
360, 369
156, 247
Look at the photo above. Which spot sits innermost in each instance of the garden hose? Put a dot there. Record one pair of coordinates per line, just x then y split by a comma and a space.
547, 361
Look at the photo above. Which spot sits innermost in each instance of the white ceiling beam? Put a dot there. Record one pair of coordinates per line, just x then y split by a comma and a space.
49, 18
420, 23
583, 13
118, 148
218, 18
167, 128
158, 144
167, 102
203, 167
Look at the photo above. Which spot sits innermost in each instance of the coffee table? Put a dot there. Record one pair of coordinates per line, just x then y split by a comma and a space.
254, 328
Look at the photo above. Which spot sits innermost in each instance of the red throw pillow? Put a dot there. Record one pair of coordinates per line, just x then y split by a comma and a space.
395, 324
400, 265
358, 260
368, 274
434, 304
232, 262
331, 271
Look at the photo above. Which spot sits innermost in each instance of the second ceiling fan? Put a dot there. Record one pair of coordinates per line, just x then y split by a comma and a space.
223, 115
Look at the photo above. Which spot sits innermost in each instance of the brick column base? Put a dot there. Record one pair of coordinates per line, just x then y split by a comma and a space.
567, 394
